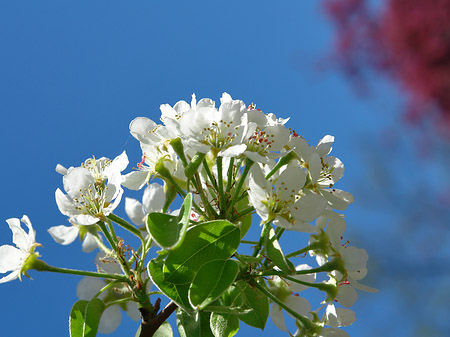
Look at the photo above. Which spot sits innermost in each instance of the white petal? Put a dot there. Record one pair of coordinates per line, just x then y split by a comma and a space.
233, 151
135, 180
64, 235
20, 237
88, 287
110, 320
290, 181
117, 198
83, 219
89, 243
133, 311
324, 145
301, 148
338, 199
255, 156
119, 164
315, 167
154, 198
337, 317
310, 278
225, 98
10, 277
308, 207
65, 204
140, 127
276, 314
61, 169
347, 295
354, 258
338, 167
299, 304
135, 211
278, 136
11, 258
107, 264
363, 287
76, 180
333, 332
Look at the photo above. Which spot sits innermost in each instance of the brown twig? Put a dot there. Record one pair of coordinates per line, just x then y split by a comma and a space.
149, 325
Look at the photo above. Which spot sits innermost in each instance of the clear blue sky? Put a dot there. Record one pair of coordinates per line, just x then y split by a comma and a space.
73, 74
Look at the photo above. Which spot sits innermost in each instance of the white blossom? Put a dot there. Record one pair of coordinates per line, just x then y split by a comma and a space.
93, 190
13, 259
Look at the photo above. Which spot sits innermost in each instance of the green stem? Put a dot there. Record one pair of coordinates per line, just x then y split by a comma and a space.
312, 246
42, 266
283, 161
209, 174
125, 224
248, 164
133, 257
243, 213
303, 320
230, 174
249, 242
102, 245
122, 300
334, 264
209, 209
105, 231
219, 161
278, 232
264, 232
106, 287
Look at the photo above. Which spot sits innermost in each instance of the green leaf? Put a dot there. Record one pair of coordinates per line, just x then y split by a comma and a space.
168, 230
258, 303
185, 211
205, 329
223, 325
76, 320
232, 297
275, 254
211, 281
84, 318
177, 293
165, 330
207, 241
231, 302
188, 324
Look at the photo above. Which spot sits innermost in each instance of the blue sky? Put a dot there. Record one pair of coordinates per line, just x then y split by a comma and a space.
74, 74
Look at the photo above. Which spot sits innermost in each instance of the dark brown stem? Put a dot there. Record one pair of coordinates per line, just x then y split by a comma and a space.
150, 324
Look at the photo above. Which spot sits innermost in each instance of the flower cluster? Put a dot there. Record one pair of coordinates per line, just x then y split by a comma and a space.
227, 163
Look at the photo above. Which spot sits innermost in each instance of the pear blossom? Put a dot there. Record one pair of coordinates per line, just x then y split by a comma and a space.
220, 130
324, 171
14, 259
279, 199
267, 137
284, 290
93, 190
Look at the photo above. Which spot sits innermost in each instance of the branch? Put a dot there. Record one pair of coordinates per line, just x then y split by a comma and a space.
149, 324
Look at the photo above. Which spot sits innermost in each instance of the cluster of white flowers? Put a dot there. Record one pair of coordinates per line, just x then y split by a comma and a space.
291, 196
226, 156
